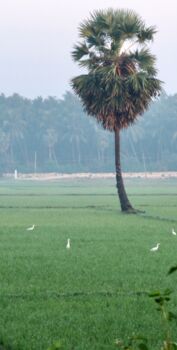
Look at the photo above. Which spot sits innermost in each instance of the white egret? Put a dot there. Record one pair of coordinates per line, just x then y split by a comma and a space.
154, 249
173, 232
31, 228
68, 246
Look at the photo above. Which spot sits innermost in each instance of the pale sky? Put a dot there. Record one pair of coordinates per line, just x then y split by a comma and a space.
37, 37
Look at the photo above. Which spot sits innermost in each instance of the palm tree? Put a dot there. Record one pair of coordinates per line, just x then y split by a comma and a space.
14, 127
51, 139
133, 135
74, 131
102, 143
121, 76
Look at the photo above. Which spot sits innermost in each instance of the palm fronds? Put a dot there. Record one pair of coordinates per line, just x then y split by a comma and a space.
120, 82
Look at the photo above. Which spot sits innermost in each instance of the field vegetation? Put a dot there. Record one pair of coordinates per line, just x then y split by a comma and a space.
96, 292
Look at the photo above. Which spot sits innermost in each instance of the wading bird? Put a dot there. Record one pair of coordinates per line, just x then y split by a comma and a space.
154, 249
68, 246
173, 232
31, 228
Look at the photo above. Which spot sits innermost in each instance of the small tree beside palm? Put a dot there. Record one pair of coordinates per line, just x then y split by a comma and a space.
121, 78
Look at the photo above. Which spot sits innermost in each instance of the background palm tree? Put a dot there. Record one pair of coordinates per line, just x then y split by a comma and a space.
74, 135
121, 79
103, 143
51, 139
132, 137
14, 126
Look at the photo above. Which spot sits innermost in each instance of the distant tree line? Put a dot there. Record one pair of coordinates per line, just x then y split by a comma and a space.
56, 135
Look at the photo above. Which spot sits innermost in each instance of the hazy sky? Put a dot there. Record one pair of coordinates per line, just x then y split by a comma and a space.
37, 37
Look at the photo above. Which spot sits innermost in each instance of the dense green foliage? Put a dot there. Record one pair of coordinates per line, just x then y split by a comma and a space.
120, 79
65, 139
87, 297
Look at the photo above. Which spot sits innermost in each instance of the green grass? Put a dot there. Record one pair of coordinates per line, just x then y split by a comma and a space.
94, 293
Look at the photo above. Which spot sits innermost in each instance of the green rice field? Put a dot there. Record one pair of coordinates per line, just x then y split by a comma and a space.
95, 292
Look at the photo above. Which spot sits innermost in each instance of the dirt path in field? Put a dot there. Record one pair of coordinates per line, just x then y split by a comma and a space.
60, 176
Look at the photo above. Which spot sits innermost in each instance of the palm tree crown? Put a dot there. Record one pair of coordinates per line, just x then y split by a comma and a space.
121, 79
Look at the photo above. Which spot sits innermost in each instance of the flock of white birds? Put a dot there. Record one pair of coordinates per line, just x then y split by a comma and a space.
68, 245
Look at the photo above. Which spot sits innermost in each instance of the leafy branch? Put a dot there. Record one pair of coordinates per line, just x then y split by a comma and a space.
161, 299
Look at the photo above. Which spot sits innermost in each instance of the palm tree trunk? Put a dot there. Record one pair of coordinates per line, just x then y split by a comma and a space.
124, 202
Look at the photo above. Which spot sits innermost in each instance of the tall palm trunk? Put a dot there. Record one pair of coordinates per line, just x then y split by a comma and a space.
124, 202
